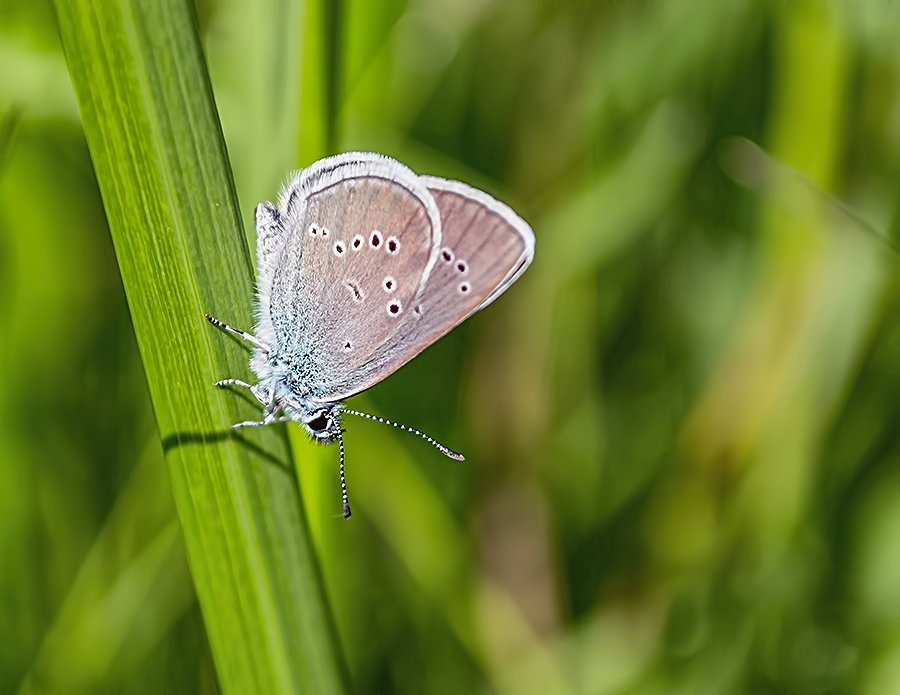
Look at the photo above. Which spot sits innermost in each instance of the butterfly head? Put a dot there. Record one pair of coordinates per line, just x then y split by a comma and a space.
321, 420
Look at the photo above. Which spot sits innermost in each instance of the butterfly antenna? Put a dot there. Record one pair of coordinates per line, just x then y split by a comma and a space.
343, 481
437, 445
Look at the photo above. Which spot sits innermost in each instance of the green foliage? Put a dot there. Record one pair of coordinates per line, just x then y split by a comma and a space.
160, 162
680, 426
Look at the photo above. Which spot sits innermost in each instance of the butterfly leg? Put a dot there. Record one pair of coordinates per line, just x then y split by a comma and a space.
269, 412
243, 334
250, 387
235, 382
260, 423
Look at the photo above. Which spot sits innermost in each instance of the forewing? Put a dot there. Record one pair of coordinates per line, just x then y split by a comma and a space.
485, 248
361, 236
274, 225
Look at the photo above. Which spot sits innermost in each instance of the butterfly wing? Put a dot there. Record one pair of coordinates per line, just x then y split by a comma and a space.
485, 248
492, 242
358, 238
275, 224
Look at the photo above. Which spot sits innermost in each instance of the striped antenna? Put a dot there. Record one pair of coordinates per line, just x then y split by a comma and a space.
343, 481
437, 445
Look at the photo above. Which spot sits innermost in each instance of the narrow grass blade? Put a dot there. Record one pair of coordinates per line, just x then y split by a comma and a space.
151, 125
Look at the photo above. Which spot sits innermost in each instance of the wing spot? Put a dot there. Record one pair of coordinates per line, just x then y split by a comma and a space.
357, 242
348, 347
314, 230
357, 293
394, 308
447, 255
393, 244
389, 284
339, 248
462, 267
464, 288
325, 231
418, 310
375, 239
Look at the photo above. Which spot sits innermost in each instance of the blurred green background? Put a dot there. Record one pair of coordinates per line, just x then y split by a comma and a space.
681, 425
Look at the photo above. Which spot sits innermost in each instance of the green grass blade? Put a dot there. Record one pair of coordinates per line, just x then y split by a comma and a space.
151, 125
315, 126
255, 63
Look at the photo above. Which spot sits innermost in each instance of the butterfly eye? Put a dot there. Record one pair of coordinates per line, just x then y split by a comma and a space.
319, 423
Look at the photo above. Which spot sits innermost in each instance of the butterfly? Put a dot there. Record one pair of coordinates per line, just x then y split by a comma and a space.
361, 266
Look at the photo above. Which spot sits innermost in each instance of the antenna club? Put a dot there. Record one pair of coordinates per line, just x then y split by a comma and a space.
446, 451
